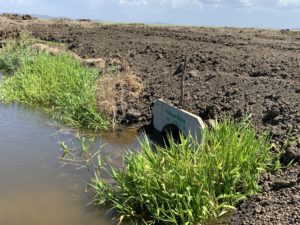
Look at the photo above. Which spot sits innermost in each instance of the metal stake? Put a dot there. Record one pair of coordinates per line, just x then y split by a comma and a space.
182, 82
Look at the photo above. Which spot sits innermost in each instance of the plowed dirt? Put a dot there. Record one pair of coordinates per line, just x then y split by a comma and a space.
230, 71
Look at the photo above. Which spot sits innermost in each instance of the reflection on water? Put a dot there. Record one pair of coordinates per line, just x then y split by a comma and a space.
120, 136
45, 205
35, 188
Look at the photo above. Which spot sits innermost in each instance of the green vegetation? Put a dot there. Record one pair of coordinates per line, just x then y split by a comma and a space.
187, 183
58, 82
82, 152
15, 53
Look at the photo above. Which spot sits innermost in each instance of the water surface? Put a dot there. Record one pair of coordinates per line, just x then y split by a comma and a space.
36, 187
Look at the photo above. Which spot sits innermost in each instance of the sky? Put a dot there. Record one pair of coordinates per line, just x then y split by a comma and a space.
236, 13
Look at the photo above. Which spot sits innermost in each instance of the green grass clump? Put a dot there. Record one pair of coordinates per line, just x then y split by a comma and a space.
15, 53
187, 183
59, 83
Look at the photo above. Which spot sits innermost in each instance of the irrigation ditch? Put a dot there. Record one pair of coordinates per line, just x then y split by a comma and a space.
184, 182
57, 82
131, 100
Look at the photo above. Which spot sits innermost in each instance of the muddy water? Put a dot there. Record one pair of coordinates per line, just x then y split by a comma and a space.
36, 187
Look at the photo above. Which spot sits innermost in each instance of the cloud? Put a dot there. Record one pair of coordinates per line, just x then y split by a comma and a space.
18, 3
230, 3
173, 3
96, 4
284, 4
134, 2
289, 3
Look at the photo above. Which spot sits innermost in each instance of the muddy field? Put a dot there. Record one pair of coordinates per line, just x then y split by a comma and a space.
230, 71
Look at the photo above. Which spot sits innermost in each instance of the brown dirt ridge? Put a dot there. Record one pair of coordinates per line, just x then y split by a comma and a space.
230, 71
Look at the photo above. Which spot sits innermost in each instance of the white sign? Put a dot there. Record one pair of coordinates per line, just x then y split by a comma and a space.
165, 114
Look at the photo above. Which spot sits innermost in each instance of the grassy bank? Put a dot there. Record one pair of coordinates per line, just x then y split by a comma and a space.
188, 183
59, 83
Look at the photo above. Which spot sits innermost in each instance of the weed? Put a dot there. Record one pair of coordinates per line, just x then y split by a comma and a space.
15, 53
86, 146
65, 149
57, 82
187, 183
81, 153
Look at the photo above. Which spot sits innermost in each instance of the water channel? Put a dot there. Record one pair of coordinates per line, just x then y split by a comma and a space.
37, 187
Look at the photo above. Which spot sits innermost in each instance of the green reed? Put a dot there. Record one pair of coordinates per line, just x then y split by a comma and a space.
59, 83
187, 183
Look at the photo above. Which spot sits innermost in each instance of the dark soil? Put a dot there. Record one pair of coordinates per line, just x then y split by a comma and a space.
230, 71
278, 203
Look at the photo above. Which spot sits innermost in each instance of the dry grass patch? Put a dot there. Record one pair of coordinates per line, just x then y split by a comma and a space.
53, 50
39, 47
99, 63
114, 91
